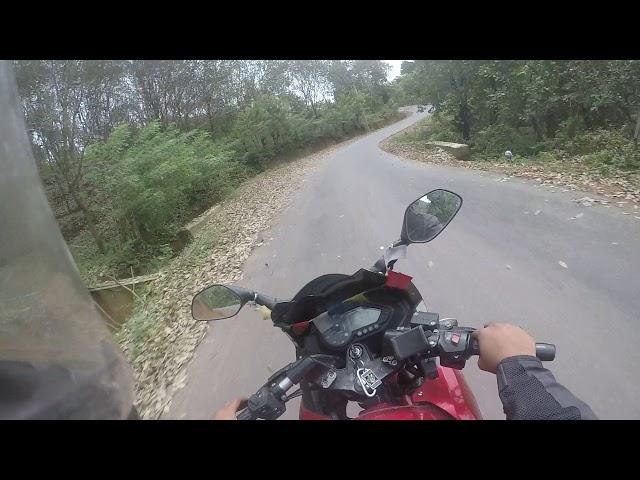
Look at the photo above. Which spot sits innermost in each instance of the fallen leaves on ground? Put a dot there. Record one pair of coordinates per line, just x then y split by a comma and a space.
573, 174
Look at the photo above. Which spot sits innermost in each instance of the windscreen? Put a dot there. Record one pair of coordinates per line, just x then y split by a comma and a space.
57, 358
324, 292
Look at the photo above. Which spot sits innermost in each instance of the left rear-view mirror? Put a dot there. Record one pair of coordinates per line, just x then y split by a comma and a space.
216, 302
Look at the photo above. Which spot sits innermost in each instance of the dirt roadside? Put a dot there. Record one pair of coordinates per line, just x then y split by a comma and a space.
570, 175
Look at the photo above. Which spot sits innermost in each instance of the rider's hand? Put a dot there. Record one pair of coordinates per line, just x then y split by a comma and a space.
498, 341
228, 412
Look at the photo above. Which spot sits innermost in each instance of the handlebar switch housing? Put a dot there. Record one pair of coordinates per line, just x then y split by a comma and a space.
265, 404
453, 347
426, 320
406, 344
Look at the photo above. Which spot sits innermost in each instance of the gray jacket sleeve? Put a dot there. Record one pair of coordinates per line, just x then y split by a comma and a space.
530, 392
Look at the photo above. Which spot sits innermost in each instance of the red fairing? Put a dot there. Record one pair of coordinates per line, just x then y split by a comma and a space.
300, 327
449, 392
446, 398
384, 411
398, 280
470, 399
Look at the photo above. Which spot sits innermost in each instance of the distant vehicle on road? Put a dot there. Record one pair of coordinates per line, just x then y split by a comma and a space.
420, 108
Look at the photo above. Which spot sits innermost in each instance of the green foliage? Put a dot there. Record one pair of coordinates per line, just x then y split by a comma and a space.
546, 157
158, 177
607, 147
443, 128
155, 178
139, 327
494, 140
132, 150
574, 107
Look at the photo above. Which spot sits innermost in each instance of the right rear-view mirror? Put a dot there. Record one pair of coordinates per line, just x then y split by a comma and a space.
427, 216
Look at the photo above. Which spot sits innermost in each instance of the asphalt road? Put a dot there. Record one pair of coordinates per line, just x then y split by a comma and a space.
497, 261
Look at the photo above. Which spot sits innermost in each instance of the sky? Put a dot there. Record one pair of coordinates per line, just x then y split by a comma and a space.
395, 68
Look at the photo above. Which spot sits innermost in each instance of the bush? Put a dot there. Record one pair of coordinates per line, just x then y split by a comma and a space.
493, 141
152, 180
443, 128
158, 177
605, 147
545, 157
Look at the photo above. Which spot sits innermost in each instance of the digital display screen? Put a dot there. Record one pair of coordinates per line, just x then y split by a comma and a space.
324, 322
360, 317
337, 329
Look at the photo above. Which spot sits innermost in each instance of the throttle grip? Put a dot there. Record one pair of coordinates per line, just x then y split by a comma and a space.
545, 352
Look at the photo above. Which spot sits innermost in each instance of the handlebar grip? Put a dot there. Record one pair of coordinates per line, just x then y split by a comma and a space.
266, 300
245, 414
545, 352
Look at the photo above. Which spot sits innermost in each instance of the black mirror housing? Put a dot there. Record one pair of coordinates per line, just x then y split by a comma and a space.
428, 216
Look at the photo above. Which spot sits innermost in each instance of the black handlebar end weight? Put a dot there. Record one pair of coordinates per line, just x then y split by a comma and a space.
546, 351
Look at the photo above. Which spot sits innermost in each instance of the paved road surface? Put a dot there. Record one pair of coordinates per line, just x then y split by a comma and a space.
354, 204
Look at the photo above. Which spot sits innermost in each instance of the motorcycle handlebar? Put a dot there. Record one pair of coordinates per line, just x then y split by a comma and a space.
545, 352
266, 300
250, 295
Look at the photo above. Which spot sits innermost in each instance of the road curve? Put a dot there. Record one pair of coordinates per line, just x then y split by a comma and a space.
499, 260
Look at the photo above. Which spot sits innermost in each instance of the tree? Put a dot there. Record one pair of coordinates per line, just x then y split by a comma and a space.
217, 89
366, 75
68, 104
407, 67
111, 132
529, 102
309, 79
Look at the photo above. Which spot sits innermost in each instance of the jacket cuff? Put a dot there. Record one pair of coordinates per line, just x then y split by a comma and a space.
505, 369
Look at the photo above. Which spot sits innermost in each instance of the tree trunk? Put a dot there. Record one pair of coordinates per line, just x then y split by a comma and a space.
210, 118
135, 228
584, 113
465, 122
550, 125
636, 135
536, 128
91, 225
